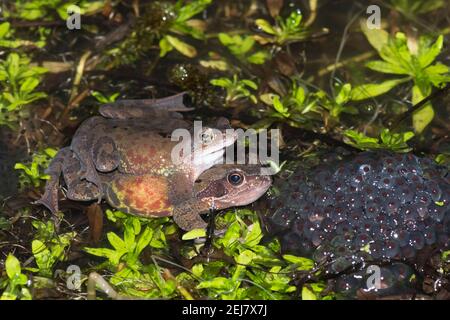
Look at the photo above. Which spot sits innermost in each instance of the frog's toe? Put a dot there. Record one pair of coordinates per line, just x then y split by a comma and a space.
49, 203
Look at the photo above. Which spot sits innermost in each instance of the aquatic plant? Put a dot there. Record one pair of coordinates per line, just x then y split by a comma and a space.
18, 81
412, 59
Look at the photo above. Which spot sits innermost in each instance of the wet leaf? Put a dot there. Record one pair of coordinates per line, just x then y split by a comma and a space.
428, 55
307, 294
300, 262
265, 26
12, 266
422, 117
386, 67
4, 29
378, 38
181, 46
194, 234
371, 90
95, 216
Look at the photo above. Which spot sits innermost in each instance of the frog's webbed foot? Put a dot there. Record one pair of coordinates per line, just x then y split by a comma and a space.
50, 197
168, 107
188, 219
54, 170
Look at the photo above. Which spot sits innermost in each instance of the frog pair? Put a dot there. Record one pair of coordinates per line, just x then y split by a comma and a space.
125, 156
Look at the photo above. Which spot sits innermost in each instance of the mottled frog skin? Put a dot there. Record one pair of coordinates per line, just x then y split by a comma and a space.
137, 152
149, 195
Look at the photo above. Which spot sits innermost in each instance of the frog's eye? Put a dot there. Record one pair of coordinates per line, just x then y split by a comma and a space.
235, 178
207, 136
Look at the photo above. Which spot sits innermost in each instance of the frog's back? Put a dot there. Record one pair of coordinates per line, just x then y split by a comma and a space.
144, 195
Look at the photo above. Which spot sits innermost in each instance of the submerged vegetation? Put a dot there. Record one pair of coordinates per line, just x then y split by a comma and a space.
301, 66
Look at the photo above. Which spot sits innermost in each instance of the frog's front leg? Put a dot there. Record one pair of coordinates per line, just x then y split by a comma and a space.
105, 154
77, 189
82, 144
54, 170
167, 107
187, 215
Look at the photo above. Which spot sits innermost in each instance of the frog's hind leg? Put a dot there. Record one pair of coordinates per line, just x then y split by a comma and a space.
167, 107
54, 170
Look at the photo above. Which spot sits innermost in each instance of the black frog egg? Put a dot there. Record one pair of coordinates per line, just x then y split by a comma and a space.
391, 248
405, 194
322, 198
429, 236
362, 240
408, 252
416, 240
436, 212
423, 198
377, 206
433, 190
409, 213
316, 214
392, 206
372, 209
376, 249
401, 236
347, 285
369, 192
341, 264
283, 217
386, 182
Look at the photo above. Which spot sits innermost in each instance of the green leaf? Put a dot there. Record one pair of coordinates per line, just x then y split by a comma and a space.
197, 269
344, 94
265, 26
371, 90
116, 241
219, 283
308, 294
422, 117
279, 107
258, 57
250, 83
361, 140
13, 65
29, 84
194, 234
253, 235
426, 57
221, 82
191, 9
12, 266
4, 29
144, 239
386, 67
301, 262
377, 38
164, 47
181, 46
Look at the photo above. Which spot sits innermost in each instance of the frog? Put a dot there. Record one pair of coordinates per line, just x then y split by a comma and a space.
129, 136
150, 195
120, 140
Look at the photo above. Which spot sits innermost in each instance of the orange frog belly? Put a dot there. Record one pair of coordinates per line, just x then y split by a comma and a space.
143, 195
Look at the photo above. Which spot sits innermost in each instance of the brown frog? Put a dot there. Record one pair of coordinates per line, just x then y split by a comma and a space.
148, 195
135, 141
